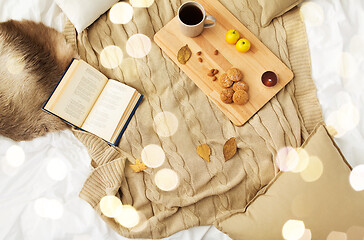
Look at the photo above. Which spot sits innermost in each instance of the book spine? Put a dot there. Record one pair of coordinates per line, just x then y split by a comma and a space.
127, 122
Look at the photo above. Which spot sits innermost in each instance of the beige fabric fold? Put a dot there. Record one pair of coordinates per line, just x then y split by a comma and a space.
207, 191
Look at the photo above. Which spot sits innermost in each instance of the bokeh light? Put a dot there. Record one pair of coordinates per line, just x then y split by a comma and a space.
166, 179
142, 225
127, 216
121, 13
15, 65
307, 235
313, 170
57, 169
15, 156
355, 232
334, 125
109, 205
356, 178
293, 230
333, 235
153, 156
303, 159
312, 13
165, 124
348, 66
138, 45
346, 118
111, 56
287, 159
48, 208
141, 3
349, 116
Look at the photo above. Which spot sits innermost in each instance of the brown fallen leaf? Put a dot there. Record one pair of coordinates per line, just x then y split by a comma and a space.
204, 151
138, 166
184, 54
229, 148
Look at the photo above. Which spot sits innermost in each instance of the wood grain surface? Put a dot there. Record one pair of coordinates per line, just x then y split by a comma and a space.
252, 63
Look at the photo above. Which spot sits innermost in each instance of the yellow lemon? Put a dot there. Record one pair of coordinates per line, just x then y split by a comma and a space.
243, 45
232, 36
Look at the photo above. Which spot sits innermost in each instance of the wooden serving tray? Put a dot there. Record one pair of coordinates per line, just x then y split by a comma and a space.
252, 63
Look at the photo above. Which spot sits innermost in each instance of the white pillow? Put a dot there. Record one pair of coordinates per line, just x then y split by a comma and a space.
82, 13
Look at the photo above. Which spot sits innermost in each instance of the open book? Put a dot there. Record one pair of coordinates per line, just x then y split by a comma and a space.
87, 99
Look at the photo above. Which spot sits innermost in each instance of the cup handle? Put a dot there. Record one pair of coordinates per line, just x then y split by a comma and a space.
210, 18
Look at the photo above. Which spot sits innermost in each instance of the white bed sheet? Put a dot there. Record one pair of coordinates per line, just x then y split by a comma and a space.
35, 206
335, 31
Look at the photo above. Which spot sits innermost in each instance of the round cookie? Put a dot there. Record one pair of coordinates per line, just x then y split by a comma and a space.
225, 81
234, 74
241, 85
226, 95
240, 97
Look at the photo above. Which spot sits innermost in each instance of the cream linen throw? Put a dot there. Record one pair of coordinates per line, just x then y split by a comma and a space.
208, 191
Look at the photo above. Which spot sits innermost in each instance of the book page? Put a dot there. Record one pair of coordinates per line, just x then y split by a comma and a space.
77, 96
108, 109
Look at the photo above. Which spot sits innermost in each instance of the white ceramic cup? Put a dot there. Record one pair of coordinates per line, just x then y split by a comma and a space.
194, 29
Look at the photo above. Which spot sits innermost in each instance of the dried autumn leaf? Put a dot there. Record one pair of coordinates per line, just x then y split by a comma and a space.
138, 166
229, 148
184, 54
204, 151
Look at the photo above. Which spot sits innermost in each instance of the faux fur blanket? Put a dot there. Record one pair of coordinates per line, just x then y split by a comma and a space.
208, 191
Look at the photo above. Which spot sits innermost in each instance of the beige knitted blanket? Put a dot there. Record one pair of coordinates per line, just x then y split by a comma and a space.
208, 191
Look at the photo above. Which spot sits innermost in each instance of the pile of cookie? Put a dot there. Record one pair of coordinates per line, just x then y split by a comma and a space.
234, 88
